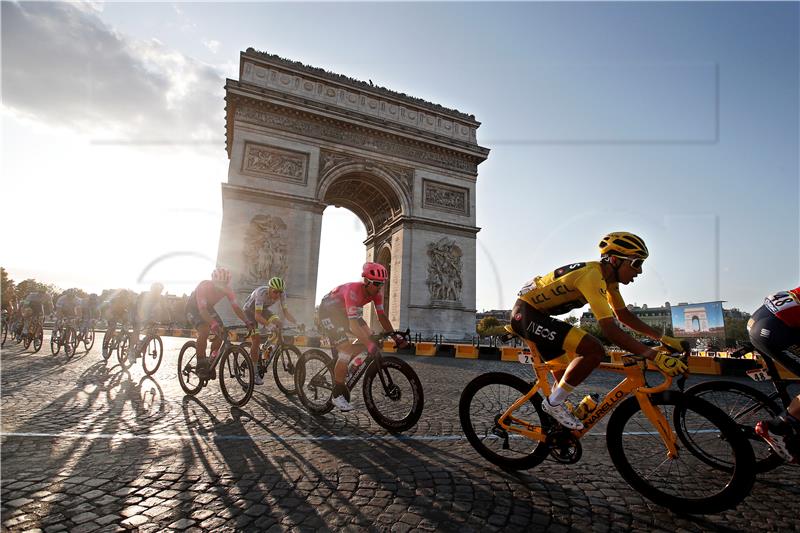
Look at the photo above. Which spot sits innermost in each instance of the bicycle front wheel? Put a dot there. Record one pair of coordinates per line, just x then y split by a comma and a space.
38, 338
483, 402
685, 483
152, 354
236, 376
313, 378
55, 341
746, 406
283, 368
88, 339
393, 394
124, 347
4, 332
108, 342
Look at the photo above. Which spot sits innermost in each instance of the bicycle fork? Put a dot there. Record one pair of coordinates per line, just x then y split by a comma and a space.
659, 421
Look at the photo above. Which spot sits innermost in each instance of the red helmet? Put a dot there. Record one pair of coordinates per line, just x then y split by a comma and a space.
374, 272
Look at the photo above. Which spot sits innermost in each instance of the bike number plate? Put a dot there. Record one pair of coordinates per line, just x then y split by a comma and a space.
525, 358
758, 374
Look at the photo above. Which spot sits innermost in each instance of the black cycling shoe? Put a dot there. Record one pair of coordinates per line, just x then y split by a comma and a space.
204, 370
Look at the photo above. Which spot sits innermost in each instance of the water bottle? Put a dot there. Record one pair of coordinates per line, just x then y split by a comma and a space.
587, 405
355, 362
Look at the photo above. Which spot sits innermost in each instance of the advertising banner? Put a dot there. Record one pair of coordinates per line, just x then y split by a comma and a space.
700, 320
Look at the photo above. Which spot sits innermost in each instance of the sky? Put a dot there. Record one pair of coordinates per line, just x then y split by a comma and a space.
675, 121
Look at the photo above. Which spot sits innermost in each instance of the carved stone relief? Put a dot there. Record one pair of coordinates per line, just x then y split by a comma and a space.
404, 176
265, 250
275, 163
444, 271
444, 197
355, 138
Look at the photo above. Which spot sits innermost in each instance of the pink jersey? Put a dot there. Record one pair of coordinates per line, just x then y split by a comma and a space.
786, 306
208, 294
353, 296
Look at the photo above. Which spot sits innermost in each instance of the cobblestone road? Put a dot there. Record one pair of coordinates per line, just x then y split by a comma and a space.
89, 447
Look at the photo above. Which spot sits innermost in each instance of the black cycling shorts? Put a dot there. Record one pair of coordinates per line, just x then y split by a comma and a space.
193, 313
773, 338
553, 338
333, 322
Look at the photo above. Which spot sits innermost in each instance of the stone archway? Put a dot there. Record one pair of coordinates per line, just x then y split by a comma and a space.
300, 139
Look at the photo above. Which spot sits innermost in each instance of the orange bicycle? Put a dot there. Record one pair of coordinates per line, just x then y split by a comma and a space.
650, 436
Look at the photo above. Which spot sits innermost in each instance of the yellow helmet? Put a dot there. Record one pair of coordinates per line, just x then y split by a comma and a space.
623, 244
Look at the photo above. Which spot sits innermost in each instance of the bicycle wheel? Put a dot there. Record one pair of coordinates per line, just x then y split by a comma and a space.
55, 341
187, 369
313, 381
685, 483
283, 368
108, 344
26, 340
746, 406
395, 399
88, 339
236, 376
152, 353
124, 344
483, 402
70, 341
38, 338
4, 332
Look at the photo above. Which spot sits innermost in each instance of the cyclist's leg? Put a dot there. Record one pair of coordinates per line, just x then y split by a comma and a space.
334, 325
774, 339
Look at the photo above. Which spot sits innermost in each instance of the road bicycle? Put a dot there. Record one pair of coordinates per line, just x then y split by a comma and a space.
278, 351
66, 336
150, 348
86, 334
392, 390
747, 405
236, 373
650, 436
118, 340
33, 333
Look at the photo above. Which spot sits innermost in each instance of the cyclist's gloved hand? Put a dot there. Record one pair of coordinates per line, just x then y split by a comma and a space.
675, 345
670, 364
372, 348
400, 341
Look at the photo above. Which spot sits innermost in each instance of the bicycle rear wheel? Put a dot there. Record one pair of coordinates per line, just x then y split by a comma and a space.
108, 344
70, 339
283, 368
746, 406
4, 332
236, 376
55, 341
152, 353
685, 483
88, 339
483, 402
393, 394
187, 369
313, 378
124, 346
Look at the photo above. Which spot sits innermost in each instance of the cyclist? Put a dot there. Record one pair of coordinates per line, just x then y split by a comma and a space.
88, 311
341, 311
571, 287
774, 330
116, 310
34, 306
149, 307
66, 306
256, 309
201, 314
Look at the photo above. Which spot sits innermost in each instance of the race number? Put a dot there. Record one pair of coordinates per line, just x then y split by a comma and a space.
759, 374
525, 358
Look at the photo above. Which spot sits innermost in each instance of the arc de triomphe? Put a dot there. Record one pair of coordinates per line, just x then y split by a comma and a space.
300, 139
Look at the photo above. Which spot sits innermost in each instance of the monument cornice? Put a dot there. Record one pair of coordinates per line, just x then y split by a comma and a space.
296, 67
310, 120
251, 194
405, 222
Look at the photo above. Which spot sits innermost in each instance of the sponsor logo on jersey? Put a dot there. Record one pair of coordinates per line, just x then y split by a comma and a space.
567, 269
541, 331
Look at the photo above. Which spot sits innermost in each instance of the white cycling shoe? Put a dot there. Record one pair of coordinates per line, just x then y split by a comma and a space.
562, 415
342, 403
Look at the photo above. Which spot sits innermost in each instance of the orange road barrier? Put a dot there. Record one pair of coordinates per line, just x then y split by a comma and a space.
466, 351
425, 348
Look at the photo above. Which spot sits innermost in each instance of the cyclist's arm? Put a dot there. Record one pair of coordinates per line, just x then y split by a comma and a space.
385, 324
617, 336
634, 322
239, 312
289, 316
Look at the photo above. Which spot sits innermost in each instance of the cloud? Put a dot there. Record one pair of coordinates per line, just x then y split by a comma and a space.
64, 66
212, 45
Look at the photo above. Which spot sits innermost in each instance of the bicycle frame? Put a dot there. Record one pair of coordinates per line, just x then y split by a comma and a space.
634, 382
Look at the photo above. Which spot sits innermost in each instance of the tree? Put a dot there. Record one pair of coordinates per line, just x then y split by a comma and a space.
486, 324
736, 331
6, 285
30, 285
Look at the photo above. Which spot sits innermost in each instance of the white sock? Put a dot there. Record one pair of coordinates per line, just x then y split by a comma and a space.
560, 393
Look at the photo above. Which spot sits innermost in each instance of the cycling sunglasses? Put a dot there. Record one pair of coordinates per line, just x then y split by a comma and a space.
636, 263
376, 283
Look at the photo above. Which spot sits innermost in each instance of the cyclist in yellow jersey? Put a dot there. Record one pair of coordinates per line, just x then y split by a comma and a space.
571, 287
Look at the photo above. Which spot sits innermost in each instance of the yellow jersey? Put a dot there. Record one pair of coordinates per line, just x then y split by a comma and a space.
571, 287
